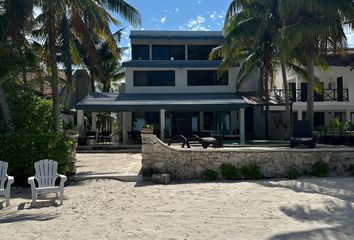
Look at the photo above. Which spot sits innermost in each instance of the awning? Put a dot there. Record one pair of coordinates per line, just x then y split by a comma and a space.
113, 102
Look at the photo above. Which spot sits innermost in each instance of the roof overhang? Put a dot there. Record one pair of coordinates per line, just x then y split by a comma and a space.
173, 63
148, 34
113, 102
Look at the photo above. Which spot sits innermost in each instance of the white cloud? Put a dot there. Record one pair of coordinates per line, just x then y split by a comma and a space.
197, 24
177, 9
163, 20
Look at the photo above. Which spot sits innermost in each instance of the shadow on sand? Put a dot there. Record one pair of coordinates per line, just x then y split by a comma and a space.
338, 215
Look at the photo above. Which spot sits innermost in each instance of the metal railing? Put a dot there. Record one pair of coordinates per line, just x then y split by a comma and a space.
326, 95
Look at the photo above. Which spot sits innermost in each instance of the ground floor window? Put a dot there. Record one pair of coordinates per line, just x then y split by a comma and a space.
217, 121
139, 118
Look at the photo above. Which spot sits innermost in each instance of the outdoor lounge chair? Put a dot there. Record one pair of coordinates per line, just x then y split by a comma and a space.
207, 141
180, 138
4, 178
46, 175
302, 134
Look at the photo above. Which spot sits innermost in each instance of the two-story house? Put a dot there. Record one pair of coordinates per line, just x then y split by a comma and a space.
171, 84
335, 95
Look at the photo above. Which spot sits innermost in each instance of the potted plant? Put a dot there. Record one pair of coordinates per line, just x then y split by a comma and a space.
147, 129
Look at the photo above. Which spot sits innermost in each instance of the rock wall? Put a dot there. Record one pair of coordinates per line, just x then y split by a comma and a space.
273, 162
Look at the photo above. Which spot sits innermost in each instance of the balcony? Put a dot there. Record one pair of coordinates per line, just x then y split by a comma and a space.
327, 95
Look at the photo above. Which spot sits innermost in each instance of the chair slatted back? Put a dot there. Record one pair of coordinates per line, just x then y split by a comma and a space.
46, 172
3, 173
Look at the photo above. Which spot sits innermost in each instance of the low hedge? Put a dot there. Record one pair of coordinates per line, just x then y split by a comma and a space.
22, 149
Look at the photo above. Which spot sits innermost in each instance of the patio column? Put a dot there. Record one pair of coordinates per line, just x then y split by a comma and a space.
347, 115
162, 123
242, 126
201, 121
93, 121
299, 115
80, 118
126, 125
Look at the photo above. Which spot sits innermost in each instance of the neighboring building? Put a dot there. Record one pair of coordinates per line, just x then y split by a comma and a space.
171, 84
335, 99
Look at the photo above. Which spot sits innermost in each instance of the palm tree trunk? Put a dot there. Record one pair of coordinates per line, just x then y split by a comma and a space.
6, 111
310, 70
266, 91
54, 68
287, 101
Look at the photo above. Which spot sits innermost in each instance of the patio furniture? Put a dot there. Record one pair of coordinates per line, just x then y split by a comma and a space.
4, 178
105, 136
178, 139
134, 137
90, 137
44, 180
302, 134
207, 141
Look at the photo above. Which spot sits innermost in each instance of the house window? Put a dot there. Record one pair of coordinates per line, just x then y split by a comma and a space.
140, 52
167, 52
207, 78
199, 52
154, 78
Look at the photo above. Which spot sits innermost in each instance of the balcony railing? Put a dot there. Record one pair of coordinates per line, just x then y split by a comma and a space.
327, 95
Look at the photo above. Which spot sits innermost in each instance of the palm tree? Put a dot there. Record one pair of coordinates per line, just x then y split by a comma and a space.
314, 27
92, 13
251, 29
14, 50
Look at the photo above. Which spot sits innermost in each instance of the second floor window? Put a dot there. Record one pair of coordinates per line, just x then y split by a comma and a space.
168, 52
199, 52
207, 78
154, 78
140, 52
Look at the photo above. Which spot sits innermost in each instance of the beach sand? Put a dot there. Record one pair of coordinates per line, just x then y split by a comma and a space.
108, 209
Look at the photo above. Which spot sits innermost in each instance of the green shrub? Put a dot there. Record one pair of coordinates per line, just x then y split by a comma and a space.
22, 149
251, 171
293, 174
320, 169
229, 171
30, 112
210, 175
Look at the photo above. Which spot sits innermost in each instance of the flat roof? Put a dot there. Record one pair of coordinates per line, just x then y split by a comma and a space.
119, 102
152, 34
173, 63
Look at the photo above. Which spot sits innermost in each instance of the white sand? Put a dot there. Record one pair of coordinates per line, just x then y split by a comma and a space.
122, 163
108, 209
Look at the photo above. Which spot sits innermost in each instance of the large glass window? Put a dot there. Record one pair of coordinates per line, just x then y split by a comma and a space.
206, 78
168, 52
140, 52
199, 52
154, 78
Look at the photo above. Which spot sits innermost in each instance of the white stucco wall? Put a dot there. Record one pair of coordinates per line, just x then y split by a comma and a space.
180, 82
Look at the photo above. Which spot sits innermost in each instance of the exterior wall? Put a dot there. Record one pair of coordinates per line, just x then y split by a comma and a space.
180, 83
273, 162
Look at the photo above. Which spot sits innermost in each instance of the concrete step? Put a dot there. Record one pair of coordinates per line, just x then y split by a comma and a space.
119, 177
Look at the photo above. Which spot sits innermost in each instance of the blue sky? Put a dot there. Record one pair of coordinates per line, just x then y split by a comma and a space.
181, 15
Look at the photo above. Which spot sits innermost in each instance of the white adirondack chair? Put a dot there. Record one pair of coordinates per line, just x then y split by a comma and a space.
46, 174
5, 190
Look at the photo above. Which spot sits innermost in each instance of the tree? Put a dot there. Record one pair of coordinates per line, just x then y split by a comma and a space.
315, 27
15, 54
84, 18
251, 29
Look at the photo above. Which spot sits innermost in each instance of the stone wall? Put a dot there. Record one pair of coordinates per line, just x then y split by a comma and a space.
185, 163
